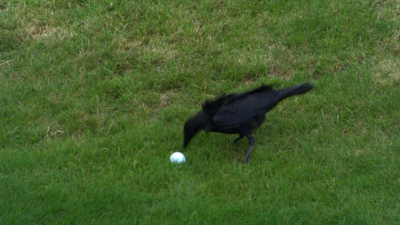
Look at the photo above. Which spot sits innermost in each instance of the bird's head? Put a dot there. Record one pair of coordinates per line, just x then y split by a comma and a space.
192, 126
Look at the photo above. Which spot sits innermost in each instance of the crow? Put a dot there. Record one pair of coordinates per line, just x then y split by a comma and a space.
239, 113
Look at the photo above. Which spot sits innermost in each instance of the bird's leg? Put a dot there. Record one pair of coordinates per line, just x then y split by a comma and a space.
252, 142
237, 139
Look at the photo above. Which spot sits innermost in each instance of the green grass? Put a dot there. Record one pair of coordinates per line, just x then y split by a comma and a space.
94, 95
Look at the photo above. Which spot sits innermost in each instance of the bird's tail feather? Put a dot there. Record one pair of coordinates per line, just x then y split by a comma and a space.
296, 90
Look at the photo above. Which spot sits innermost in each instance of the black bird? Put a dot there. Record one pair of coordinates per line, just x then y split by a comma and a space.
239, 113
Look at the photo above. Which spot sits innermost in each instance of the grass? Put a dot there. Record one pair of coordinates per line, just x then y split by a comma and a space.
94, 95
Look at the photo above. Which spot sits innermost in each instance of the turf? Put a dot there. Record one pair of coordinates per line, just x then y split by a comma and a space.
94, 95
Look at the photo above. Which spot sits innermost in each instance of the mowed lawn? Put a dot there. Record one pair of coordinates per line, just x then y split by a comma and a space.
94, 95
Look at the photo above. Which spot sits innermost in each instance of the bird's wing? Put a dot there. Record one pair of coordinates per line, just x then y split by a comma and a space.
238, 111
235, 109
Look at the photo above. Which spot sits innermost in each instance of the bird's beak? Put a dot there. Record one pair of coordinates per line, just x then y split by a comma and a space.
192, 126
188, 137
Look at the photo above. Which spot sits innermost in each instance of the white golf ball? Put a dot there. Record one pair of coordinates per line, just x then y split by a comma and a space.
177, 157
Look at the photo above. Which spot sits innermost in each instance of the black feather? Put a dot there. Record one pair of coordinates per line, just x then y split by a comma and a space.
239, 113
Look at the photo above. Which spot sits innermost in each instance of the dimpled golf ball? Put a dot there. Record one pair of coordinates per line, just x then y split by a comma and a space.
177, 157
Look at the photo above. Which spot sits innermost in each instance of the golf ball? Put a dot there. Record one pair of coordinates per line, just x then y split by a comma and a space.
177, 157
